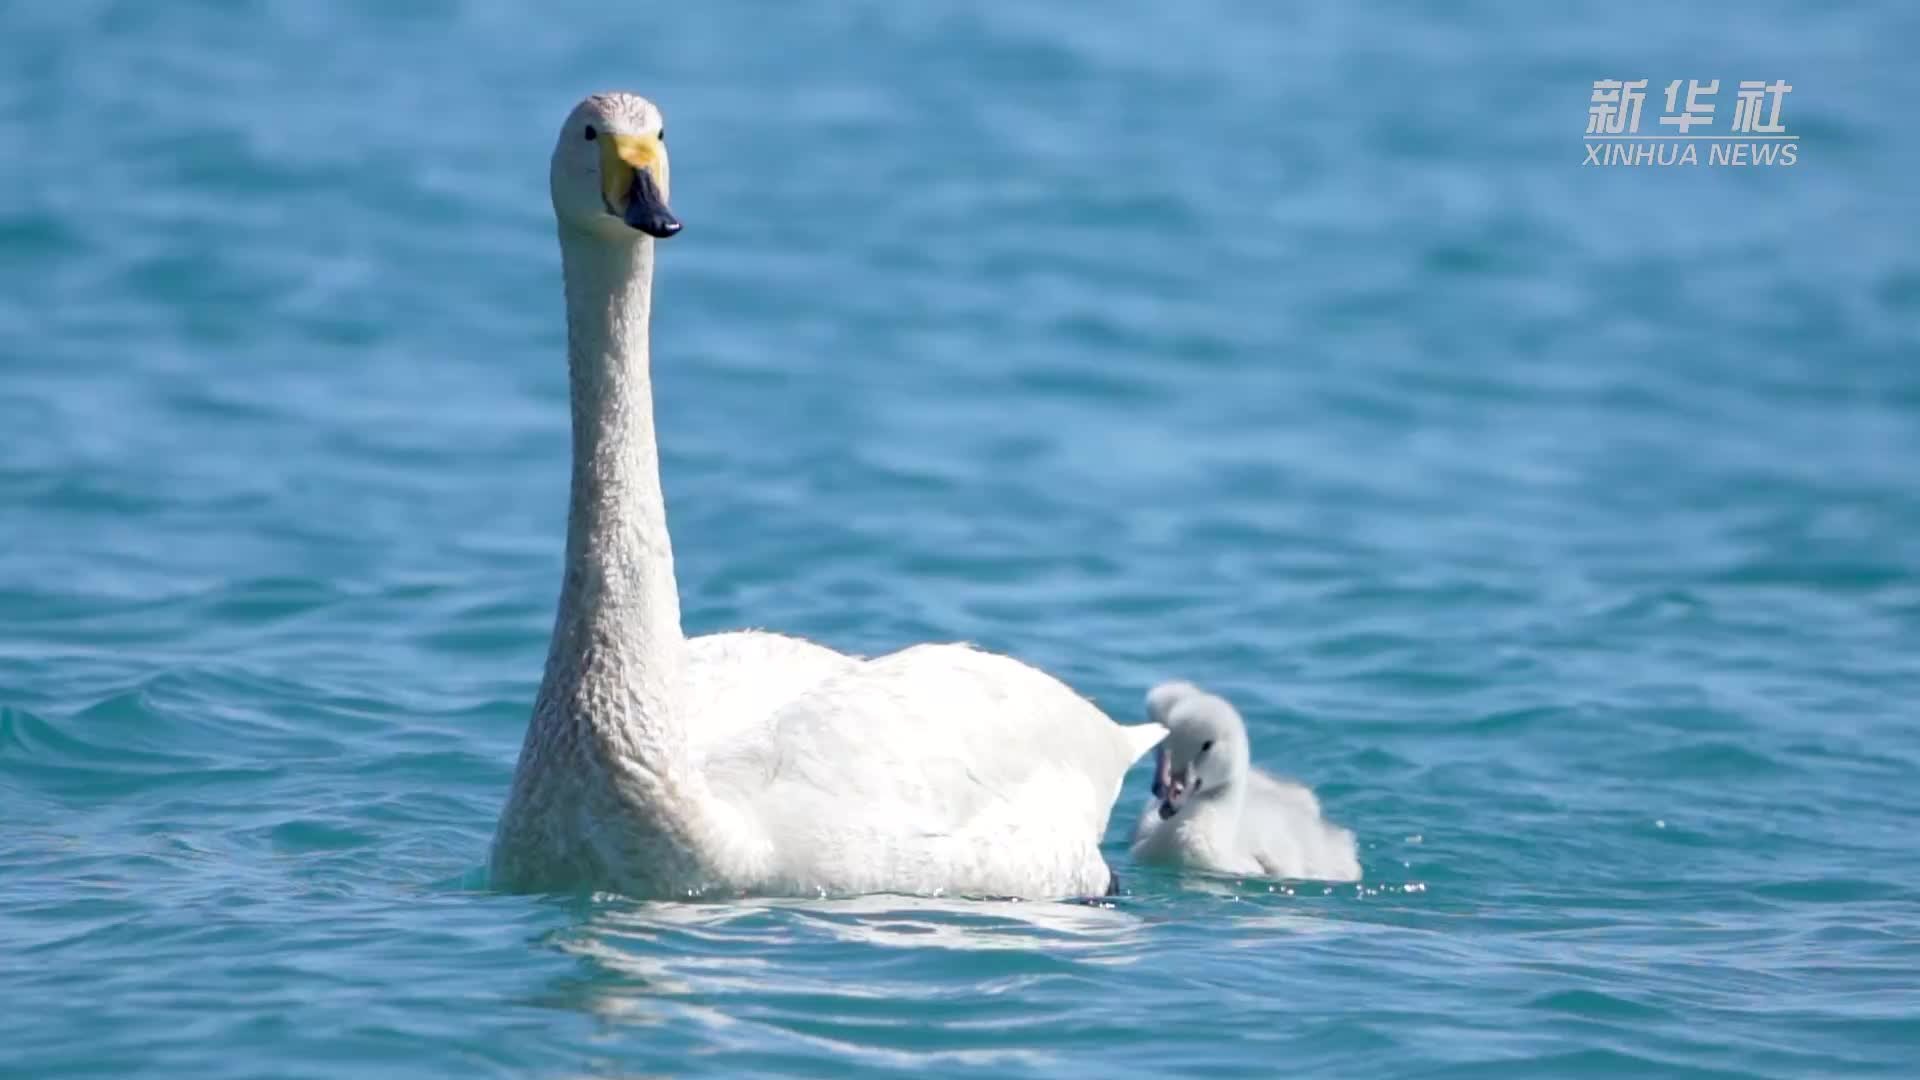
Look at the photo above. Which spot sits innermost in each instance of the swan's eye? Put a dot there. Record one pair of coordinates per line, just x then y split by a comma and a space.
1206, 746
591, 134
663, 135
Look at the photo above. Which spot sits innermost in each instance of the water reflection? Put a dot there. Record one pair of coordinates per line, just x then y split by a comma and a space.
899, 980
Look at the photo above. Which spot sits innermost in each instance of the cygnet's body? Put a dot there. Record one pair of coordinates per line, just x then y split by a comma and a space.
1212, 810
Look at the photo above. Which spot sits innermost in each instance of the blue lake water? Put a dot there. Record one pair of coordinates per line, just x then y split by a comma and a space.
1560, 525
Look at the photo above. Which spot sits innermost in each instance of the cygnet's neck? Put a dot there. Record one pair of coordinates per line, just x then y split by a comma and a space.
1215, 819
1208, 826
617, 641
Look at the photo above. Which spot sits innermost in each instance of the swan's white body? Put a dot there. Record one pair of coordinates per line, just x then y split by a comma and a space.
1236, 819
750, 762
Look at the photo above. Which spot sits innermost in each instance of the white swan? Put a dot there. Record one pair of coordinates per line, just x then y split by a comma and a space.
1212, 810
749, 762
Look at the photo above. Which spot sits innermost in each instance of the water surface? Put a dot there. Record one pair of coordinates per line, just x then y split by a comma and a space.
1559, 525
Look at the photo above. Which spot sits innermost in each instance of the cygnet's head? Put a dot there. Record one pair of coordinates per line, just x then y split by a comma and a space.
609, 173
1205, 755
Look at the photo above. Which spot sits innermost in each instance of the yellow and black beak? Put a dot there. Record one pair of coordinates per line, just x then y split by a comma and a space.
633, 180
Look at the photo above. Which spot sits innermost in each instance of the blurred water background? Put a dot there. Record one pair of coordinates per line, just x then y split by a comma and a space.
1559, 524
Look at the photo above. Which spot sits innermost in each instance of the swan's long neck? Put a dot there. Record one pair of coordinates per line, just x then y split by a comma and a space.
606, 789
618, 651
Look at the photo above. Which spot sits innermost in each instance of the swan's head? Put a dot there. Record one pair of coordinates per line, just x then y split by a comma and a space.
1205, 754
609, 172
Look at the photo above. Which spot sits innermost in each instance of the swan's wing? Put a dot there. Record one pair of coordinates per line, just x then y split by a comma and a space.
737, 681
940, 763
1281, 827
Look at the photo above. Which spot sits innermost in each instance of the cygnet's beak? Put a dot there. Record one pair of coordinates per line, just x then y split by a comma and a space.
1171, 788
633, 171
1169, 806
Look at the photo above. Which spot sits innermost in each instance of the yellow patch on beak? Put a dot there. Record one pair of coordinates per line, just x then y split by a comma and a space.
620, 156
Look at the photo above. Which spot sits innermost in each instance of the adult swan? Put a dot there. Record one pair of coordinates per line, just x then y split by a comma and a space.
748, 762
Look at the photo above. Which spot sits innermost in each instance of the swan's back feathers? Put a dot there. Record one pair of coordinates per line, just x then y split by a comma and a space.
938, 767
738, 680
